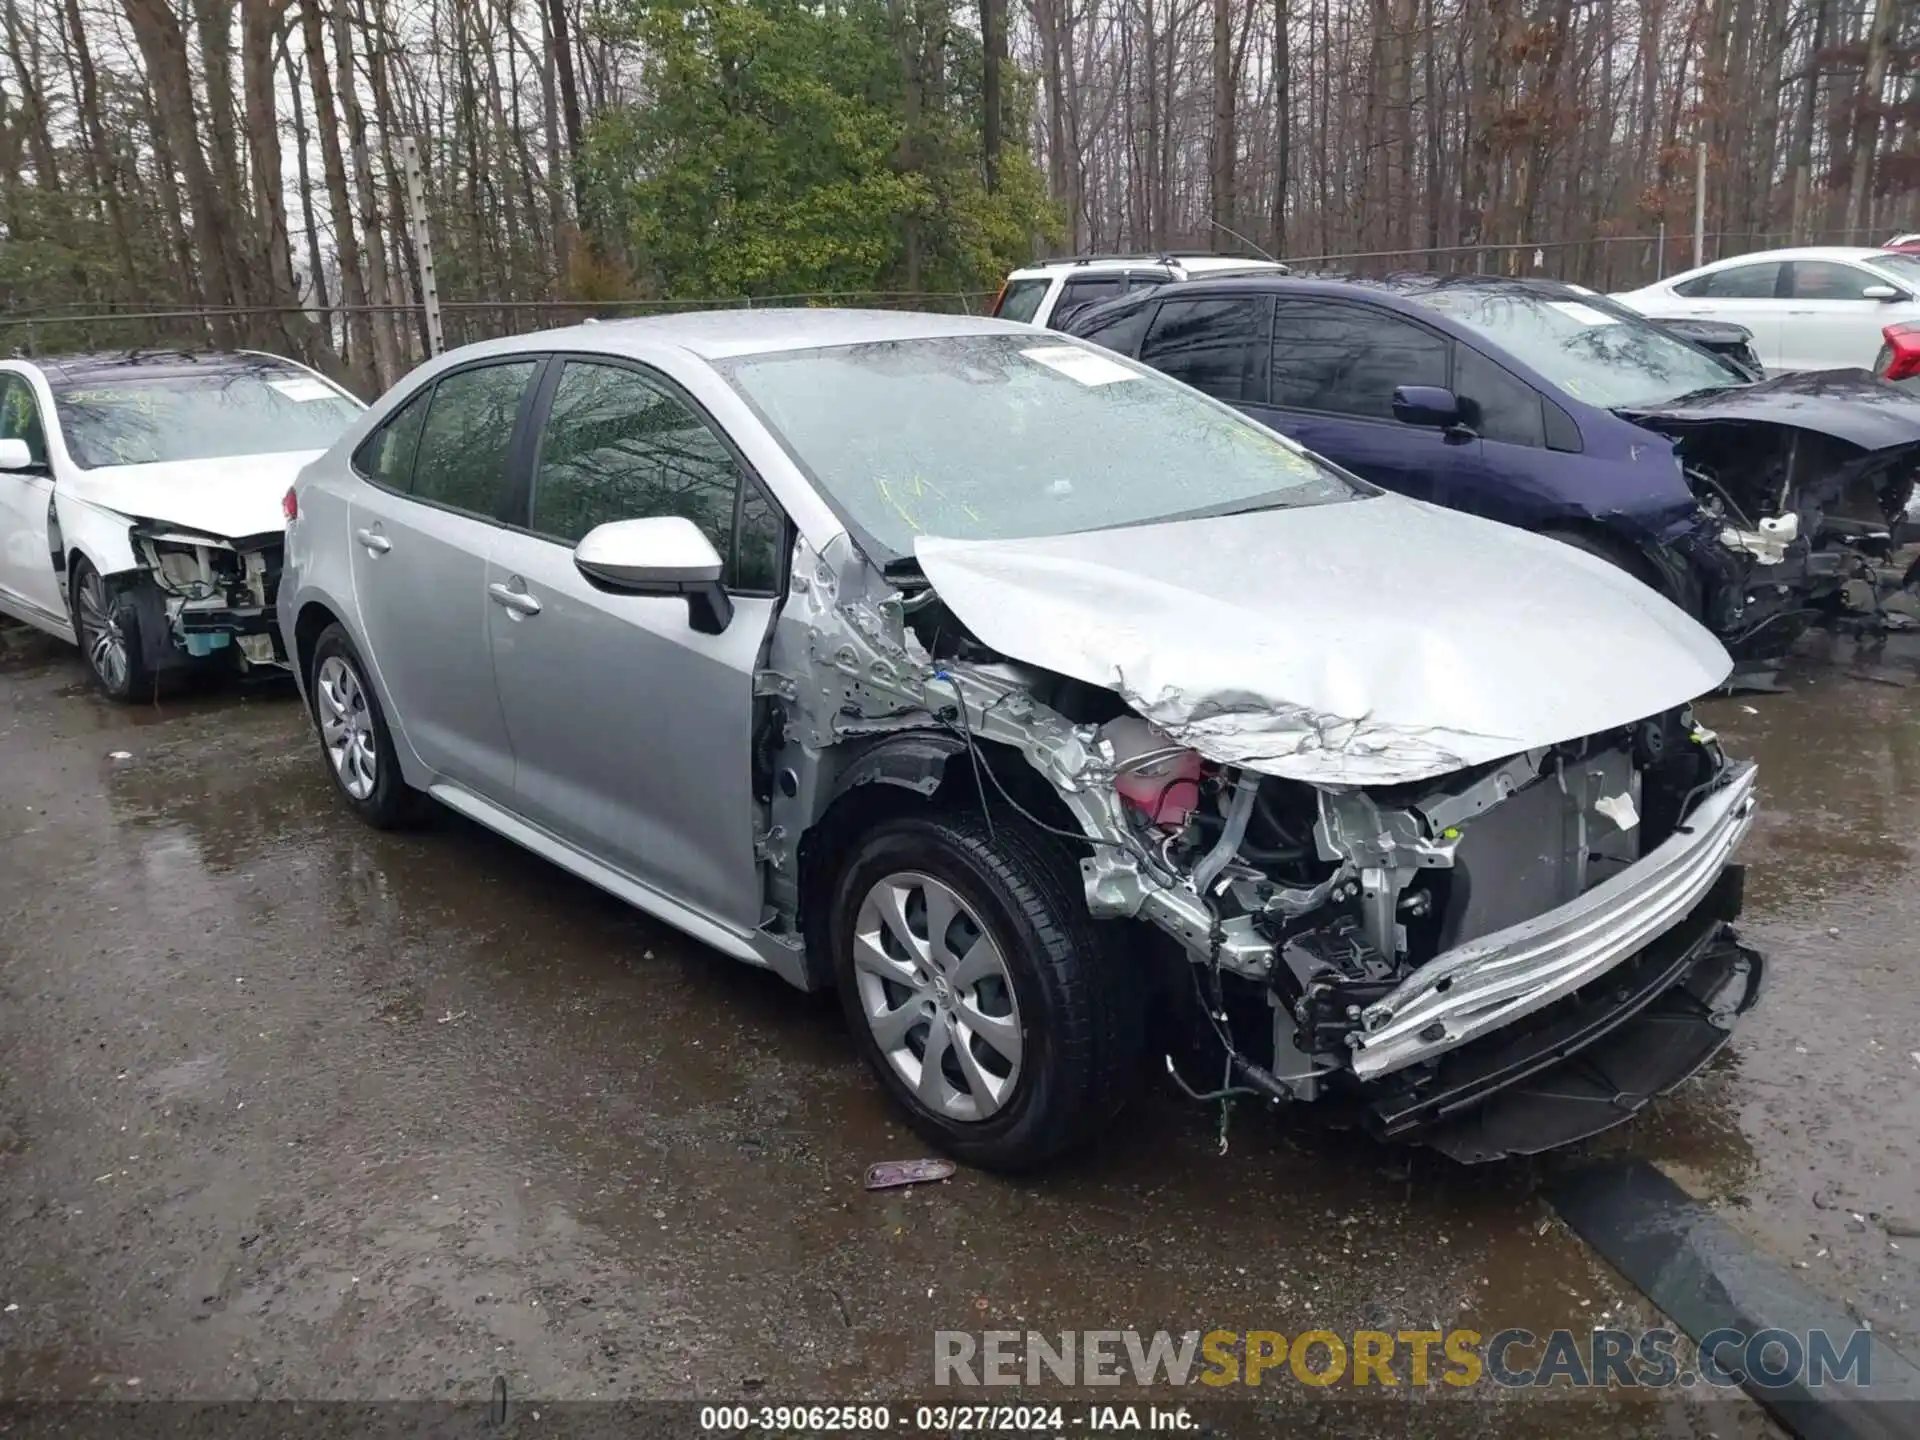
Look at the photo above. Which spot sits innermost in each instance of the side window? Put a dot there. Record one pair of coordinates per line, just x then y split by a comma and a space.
468, 433
386, 456
1021, 299
760, 543
617, 446
1081, 292
20, 416
1741, 282
1122, 332
1349, 359
1509, 407
1825, 280
1210, 344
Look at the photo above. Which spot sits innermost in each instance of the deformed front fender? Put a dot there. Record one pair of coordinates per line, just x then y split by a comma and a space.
103, 537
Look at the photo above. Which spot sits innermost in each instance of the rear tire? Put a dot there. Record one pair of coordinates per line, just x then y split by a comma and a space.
1037, 1037
354, 739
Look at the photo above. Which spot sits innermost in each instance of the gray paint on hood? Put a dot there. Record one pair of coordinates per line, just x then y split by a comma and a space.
1373, 642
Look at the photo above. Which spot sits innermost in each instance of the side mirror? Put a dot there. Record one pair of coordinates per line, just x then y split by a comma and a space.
1428, 405
661, 555
14, 455
1882, 292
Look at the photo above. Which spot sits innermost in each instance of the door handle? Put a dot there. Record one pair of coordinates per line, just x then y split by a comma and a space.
376, 543
518, 601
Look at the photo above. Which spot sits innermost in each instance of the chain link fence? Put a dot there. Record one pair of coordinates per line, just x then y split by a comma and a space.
322, 335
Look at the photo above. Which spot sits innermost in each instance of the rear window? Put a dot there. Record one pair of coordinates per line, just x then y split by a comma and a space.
1021, 300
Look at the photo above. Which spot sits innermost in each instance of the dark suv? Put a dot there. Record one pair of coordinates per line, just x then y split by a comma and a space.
1544, 406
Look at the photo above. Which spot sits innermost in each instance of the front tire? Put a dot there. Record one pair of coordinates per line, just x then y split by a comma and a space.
354, 738
1617, 555
1001, 1017
107, 623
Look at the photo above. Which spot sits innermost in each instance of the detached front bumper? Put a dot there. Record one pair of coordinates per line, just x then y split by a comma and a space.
1499, 979
1592, 1060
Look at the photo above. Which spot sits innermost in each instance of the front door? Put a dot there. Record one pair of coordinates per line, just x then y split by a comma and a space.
29, 585
1829, 324
1334, 367
421, 535
632, 731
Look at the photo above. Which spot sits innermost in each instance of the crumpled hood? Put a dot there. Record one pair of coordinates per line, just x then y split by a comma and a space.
1368, 642
232, 497
1856, 406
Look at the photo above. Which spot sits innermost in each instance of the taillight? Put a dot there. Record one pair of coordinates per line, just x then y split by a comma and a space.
1900, 356
290, 505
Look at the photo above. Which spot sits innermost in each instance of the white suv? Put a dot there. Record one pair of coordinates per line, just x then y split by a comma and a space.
1049, 293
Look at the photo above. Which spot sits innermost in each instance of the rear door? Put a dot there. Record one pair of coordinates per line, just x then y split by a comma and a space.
1333, 368
1081, 289
439, 479
1753, 295
1829, 323
1214, 343
632, 731
29, 585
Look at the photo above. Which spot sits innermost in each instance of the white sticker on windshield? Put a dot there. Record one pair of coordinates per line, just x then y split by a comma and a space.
304, 389
1082, 365
1585, 314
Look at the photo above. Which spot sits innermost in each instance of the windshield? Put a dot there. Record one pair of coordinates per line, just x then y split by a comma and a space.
143, 419
1904, 268
1004, 436
1604, 357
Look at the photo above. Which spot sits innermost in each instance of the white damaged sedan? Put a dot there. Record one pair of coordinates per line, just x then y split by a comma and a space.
1061, 718
141, 503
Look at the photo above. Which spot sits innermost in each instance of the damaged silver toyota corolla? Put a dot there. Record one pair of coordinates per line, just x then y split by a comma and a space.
1056, 714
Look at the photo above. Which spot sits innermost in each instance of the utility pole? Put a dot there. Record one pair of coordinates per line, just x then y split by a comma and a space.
422, 241
1699, 204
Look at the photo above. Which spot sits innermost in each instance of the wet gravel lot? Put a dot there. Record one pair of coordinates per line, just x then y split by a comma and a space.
291, 1109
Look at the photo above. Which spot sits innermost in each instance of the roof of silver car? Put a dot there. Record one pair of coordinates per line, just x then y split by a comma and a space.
719, 334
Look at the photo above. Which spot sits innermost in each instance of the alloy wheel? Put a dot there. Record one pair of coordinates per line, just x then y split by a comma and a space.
100, 634
938, 996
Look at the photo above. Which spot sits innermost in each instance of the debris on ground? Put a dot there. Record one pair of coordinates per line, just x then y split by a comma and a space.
891, 1173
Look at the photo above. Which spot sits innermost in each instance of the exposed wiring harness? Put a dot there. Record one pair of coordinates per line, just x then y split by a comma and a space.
983, 772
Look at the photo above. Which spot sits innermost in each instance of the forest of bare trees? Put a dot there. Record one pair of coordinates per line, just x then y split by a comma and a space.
243, 159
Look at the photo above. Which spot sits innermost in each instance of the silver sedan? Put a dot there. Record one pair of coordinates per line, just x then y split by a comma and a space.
1069, 723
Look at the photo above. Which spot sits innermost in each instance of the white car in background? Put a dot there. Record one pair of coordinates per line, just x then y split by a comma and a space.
141, 503
1820, 308
1050, 292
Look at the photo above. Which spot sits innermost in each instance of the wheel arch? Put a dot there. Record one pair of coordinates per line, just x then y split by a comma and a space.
100, 537
309, 624
311, 619
1605, 543
907, 771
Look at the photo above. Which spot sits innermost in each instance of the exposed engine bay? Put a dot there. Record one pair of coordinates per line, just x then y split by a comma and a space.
1804, 483
1355, 920
216, 594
